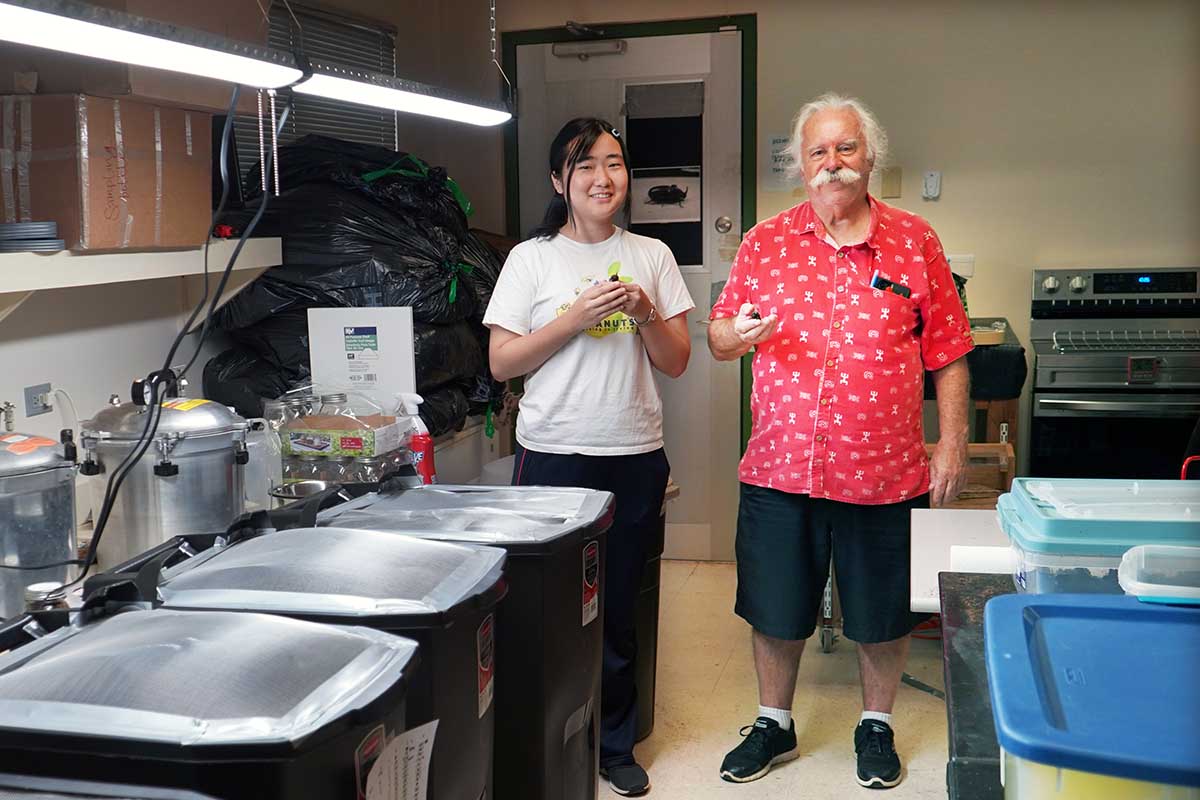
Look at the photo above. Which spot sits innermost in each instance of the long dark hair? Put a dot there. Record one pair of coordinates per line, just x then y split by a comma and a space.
571, 145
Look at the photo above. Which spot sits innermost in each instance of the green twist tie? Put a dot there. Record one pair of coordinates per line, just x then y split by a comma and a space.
422, 171
455, 271
489, 426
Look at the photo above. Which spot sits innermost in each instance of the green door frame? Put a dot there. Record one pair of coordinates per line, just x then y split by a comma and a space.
747, 24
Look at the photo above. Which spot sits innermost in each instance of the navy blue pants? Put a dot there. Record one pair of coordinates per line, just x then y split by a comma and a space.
639, 483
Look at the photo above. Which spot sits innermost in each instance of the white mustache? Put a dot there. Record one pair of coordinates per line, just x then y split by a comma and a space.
843, 175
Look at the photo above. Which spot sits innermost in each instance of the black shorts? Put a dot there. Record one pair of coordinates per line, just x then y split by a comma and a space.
784, 544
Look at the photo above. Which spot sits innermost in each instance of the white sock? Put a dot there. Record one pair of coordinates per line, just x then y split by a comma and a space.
879, 715
781, 715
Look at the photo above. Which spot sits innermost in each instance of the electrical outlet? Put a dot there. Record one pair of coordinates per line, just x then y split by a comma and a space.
38, 400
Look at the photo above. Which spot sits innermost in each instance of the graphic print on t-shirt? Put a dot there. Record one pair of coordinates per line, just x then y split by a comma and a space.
618, 322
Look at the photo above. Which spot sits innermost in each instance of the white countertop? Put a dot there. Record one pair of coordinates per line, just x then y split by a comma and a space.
934, 531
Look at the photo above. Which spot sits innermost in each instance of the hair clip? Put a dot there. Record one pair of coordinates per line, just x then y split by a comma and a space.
616, 133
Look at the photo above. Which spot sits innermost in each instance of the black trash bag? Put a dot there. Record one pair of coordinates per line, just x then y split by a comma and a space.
445, 354
444, 410
315, 159
411, 263
280, 341
486, 263
240, 379
411, 188
402, 182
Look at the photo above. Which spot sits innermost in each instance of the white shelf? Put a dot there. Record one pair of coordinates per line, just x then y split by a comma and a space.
27, 272
22, 274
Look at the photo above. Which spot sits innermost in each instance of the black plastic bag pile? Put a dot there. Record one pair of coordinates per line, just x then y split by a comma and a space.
363, 226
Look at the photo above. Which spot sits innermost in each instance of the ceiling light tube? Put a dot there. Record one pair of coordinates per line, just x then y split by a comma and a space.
382, 91
83, 29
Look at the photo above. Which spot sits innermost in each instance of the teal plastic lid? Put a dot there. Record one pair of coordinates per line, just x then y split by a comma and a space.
1084, 516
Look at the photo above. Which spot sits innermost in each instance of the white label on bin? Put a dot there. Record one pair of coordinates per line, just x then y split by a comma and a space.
485, 651
402, 771
591, 582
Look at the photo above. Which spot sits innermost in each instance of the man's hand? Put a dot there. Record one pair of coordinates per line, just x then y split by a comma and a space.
947, 472
753, 331
596, 304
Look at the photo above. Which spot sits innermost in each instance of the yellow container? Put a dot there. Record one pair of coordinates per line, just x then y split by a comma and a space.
1029, 780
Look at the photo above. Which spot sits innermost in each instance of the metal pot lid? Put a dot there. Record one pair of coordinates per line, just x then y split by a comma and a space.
24, 453
183, 416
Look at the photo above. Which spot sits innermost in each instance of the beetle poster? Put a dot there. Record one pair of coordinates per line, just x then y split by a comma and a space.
665, 197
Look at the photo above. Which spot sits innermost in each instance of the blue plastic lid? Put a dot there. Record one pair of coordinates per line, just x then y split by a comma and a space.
1083, 516
1097, 683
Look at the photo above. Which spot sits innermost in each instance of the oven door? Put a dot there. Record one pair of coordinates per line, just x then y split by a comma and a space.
1111, 435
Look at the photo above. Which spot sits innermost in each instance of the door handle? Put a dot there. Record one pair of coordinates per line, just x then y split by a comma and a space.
1120, 405
723, 224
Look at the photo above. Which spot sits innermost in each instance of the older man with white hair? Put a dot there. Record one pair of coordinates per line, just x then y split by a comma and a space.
846, 302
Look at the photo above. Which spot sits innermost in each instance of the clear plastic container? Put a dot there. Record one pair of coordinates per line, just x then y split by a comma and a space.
1069, 535
1162, 574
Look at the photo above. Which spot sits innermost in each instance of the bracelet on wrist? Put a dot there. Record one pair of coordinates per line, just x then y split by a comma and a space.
653, 315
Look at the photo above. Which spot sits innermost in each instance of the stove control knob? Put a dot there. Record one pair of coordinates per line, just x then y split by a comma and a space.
1078, 284
1050, 285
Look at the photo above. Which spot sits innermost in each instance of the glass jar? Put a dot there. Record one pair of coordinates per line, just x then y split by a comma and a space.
275, 413
292, 469
295, 408
370, 470
336, 405
313, 468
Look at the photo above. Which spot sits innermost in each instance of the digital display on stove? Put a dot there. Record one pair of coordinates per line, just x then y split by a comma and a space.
1181, 282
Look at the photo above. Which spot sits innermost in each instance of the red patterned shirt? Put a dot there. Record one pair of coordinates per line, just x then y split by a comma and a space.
838, 389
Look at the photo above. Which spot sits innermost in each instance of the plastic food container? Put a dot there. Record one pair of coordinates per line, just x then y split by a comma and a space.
1069, 535
1094, 697
1162, 574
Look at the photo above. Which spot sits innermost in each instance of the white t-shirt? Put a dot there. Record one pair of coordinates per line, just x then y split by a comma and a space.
596, 396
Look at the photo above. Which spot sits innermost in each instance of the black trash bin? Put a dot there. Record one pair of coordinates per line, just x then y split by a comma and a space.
26, 787
548, 661
237, 706
646, 621
441, 595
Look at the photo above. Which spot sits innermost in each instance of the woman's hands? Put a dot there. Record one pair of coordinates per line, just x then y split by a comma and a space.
598, 303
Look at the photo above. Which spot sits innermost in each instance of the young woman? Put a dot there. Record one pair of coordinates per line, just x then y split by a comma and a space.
586, 312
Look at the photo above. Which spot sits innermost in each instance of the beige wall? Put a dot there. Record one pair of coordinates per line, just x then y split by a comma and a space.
1067, 133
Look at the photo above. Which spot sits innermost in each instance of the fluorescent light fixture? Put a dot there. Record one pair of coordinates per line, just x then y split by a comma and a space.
82, 29
383, 91
584, 50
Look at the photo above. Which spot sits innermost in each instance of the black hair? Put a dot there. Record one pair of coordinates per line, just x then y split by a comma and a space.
569, 147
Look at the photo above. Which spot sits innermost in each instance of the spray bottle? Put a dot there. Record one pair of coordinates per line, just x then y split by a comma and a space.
420, 442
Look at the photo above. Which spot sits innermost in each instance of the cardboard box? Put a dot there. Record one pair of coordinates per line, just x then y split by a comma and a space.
114, 174
342, 436
366, 351
61, 73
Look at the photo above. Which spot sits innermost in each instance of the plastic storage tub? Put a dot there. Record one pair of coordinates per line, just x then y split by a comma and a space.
1162, 574
441, 595
551, 623
1069, 535
1094, 697
238, 706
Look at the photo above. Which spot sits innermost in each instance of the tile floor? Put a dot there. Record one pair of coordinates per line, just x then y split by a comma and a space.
707, 690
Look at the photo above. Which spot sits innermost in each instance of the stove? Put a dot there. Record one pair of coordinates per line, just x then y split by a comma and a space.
1116, 389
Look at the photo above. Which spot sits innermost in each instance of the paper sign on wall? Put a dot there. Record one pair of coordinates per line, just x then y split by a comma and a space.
776, 164
364, 350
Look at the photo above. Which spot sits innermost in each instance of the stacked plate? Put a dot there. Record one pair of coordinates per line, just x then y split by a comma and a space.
30, 237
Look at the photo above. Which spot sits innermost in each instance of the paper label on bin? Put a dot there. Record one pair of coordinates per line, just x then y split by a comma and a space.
591, 582
402, 771
485, 652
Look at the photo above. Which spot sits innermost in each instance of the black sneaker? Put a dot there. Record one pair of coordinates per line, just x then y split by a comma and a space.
765, 745
626, 779
878, 764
